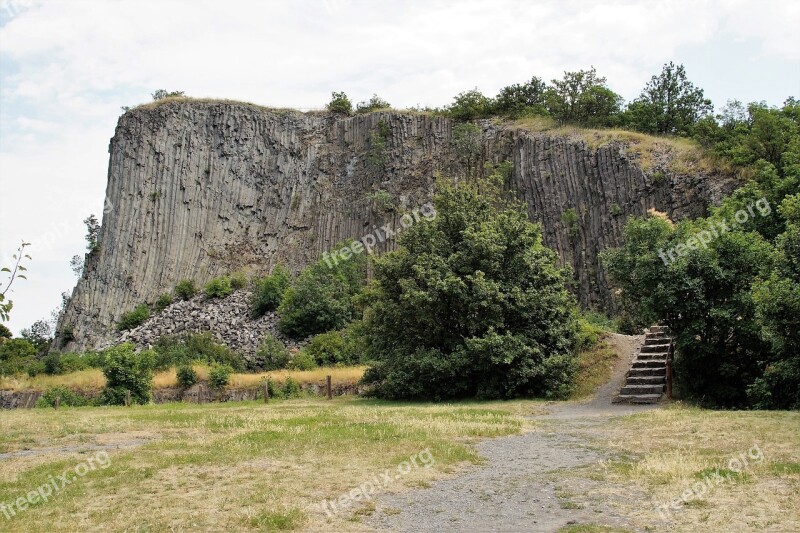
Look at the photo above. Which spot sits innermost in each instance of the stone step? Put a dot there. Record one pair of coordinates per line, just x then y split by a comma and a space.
636, 390
644, 371
649, 364
659, 356
646, 380
659, 348
659, 329
655, 339
637, 398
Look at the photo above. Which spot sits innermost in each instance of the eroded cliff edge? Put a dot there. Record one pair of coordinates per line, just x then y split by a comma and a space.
201, 189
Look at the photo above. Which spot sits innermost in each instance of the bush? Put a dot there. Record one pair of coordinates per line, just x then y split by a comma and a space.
291, 388
134, 318
69, 398
269, 291
374, 104
322, 297
5, 333
201, 347
340, 103
35, 368
15, 356
238, 280
219, 287
186, 376
471, 305
272, 354
185, 289
470, 105
126, 370
302, 361
164, 301
219, 376
336, 348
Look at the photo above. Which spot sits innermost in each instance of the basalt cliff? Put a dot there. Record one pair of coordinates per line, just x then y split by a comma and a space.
198, 189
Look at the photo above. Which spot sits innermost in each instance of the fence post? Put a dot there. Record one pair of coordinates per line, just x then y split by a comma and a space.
328, 382
127, 398
58, 402
266, 391
669, 371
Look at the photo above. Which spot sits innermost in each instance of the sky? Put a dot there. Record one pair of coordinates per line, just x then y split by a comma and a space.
67, 67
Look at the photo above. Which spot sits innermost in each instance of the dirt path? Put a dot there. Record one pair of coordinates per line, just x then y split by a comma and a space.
522, 487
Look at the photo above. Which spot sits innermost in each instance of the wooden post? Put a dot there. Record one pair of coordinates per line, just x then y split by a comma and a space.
58, 402
330, 392
266, 391
127, 398
669, 371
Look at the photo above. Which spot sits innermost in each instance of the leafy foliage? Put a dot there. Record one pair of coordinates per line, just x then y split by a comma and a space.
219, 376
160, 94
68, 398
470, 105
468, 145
185, 289
92, 233
340, 103
374, 104
14, 272
186, 376
269, 291
337, 348
471, 305
272, 353
194, 348
126, 370
164, 301
520, 100
134, 318
5, 333
669, 103
582, 97
302, 361
322, 297
219, 287
15, 356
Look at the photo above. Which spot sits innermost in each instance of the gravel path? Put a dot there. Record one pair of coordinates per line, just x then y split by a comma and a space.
520, 487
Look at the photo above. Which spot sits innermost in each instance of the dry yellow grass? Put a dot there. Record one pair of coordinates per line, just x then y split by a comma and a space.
233, 467
684, 156
94, 379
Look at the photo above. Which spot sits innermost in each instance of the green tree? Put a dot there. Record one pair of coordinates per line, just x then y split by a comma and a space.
92, 233
15, 356
669, 104
470, 105
582, 98
472, 304
126, 370
524, 99
269, 290
340, 103
468, 145
322, 297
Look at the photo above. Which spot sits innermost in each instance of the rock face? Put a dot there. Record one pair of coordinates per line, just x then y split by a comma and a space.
200, 189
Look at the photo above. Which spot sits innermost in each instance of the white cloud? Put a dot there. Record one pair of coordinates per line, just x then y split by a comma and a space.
68, 66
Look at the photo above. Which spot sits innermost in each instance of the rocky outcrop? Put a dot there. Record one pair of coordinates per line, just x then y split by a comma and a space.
200, 189
228, 319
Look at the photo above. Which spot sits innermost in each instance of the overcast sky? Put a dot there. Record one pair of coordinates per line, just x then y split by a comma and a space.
67, 66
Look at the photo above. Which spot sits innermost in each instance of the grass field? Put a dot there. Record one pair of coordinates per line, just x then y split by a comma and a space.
243, 466
255, 467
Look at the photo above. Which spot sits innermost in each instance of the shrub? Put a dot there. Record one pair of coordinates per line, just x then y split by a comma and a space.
219, 376
35, 368
374, 104
272, 354
126, 370
470, 105
335, 348
186, 376
322, 297
15, 356
291, 388
340, 103
238, 280
302, 361
202, 347
219, 287
69, 398
269, 290
164, 301
185, 289
134, 318
5, 333
471, 305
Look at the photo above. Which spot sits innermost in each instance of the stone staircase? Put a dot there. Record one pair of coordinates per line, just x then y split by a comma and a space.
647, 378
